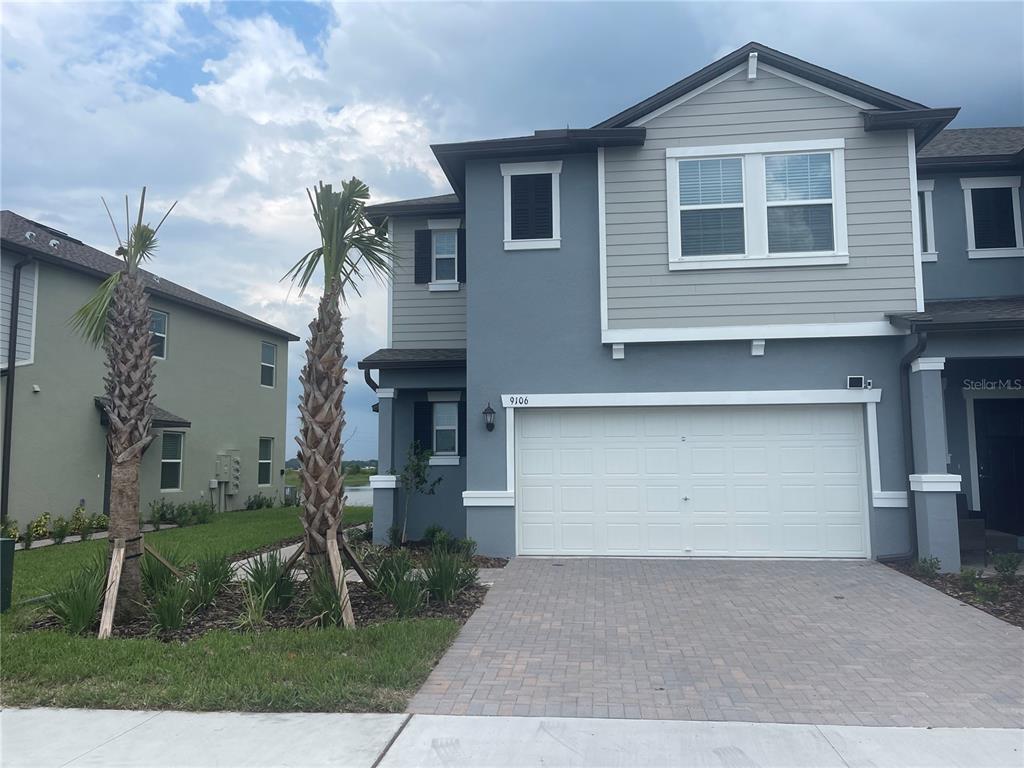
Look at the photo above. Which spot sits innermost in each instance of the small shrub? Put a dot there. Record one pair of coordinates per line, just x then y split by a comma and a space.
181, 516
987, 591
40, 526
59, 530
969, 578
395, 536
465, 547
321, 607
161, 511
169, 607
213, 572
447, 574
393, 567
1006, 566
926, 567
28, 536
99, 522
432, 532
267, 575
202, 511
254, 608
10, 530
260, 501
76, 602
407, 596
80, 522
155, 575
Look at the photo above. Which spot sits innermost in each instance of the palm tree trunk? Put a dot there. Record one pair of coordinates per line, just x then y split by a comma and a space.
129, 388
323, 419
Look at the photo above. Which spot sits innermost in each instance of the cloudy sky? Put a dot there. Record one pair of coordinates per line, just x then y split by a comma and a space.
233, 109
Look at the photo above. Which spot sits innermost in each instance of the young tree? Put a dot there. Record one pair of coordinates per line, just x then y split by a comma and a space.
415, 478
117, 316
349, 245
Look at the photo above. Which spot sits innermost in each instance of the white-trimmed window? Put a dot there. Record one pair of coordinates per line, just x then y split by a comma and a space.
445, 254
171, 452
753, 205
992, 206
532, 208
446, 429
268, 364
265, 462
158, 333
926, 215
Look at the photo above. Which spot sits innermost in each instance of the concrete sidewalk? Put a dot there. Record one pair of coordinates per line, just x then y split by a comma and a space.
69, 737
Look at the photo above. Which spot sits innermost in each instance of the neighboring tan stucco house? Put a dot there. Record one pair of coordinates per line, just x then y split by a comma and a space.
743, 317
221, 384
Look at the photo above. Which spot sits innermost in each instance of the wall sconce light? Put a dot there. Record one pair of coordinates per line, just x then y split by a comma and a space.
489, 418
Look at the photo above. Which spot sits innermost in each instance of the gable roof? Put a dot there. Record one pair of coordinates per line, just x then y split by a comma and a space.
765, 55
74, 254
992, 148
437, 205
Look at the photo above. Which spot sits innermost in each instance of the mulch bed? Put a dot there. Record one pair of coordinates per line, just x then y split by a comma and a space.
1009, 606
368, 607
420, 552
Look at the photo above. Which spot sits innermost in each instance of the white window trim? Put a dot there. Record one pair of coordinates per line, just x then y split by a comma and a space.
167, 327
260, 462
448, 457
755, 206
926, 187
993, 182
435, 284
508, 170
35, 313
274, 366
180, 461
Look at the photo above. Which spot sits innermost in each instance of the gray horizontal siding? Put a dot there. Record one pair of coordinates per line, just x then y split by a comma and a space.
419, 318
643, 293
26, 303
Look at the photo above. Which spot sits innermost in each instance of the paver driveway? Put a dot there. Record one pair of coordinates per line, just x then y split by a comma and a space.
763, 641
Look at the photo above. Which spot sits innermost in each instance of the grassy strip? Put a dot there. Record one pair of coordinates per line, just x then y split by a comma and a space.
371, 669
38, 572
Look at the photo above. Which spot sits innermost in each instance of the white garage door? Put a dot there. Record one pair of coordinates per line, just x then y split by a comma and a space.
745, 481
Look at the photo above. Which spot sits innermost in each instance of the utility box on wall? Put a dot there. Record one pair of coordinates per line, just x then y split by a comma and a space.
228, 470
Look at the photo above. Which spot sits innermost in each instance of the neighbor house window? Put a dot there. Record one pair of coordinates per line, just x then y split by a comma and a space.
265, 465
170, 461
772, 204
446, 429
926, 217
445, 254
532, 208
711, 207
158, 333
992, 207
268, 364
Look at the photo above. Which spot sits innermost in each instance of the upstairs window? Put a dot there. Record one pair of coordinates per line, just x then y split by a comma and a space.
268, 364
24, 350
993, 217
774, 204
158, 333
445, 253
265, 462
926, 218
440, 255
532, 207
170, 461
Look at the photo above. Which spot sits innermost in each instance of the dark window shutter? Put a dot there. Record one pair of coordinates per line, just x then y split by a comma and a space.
531, 206
462, 427
423, 424
462, 256
424, 247
993, 218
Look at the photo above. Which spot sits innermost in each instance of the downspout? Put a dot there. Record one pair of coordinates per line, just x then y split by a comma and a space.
12, 358
908, 441
369, 380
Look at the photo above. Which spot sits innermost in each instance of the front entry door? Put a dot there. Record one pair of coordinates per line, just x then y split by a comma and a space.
999, 424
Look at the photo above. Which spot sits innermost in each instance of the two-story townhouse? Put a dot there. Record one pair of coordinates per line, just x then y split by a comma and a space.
221, 384
698, 328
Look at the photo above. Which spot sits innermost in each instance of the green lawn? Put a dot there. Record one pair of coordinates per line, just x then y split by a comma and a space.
37, 572
370, 669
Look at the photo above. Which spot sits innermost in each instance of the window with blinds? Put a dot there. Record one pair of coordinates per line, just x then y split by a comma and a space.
532, 215
798, 193
993, 218
265, 462
711, 207
171, 461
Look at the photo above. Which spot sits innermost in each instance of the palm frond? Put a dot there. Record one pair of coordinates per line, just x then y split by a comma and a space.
91, 318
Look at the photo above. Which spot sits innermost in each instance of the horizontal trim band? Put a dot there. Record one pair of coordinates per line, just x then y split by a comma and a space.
488, 498
757, 262
748, 332
383, 481
724, 397
894, 499
935, 482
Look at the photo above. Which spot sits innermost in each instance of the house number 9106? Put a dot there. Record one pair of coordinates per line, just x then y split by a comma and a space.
518, 400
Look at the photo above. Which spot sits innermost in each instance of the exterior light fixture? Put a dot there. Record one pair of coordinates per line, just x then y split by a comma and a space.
489, 418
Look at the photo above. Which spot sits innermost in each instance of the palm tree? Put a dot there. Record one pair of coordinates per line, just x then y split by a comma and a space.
117, 316
349, 245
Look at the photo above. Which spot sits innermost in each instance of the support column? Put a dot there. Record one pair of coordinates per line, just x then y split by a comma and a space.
933, 487
384, 484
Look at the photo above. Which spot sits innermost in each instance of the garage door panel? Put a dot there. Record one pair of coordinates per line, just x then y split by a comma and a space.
714, 481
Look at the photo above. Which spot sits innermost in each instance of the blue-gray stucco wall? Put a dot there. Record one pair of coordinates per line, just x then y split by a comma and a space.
954, 276
533, 320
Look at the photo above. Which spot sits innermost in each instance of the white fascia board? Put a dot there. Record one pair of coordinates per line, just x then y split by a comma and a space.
748, 332
915, 223
810, 145
383, 481
889, 499
519, 169
725, 397
928, 364
815, 87
386, 393
989, 182
935, 482
687, 96
488, 498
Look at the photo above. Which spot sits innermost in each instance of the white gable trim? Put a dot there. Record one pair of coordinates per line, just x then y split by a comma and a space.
688, 95
815, 87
